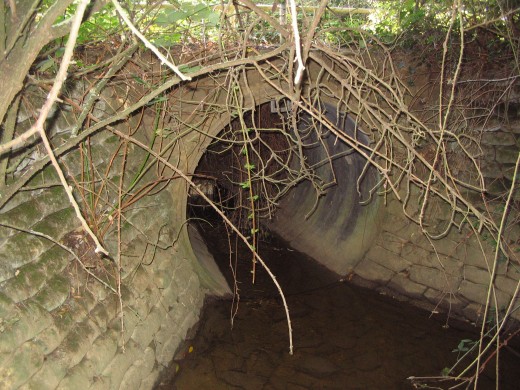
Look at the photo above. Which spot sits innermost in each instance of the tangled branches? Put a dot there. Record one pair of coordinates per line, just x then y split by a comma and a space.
427, 152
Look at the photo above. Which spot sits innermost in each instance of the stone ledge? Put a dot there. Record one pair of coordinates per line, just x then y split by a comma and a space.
387, 259
140, 369
369, 270
28, 321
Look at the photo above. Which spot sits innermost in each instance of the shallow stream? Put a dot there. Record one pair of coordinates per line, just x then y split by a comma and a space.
345, 337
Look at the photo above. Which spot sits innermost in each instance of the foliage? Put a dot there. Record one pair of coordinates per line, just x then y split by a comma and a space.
419, 22
376, 97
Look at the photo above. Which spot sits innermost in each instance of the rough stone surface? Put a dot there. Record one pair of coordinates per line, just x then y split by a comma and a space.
373, 271
387, 258
59, 327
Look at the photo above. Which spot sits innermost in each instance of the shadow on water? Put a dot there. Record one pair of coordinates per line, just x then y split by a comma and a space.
345, 337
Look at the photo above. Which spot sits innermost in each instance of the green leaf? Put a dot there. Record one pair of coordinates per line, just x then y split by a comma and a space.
139, 80
45, 64
157, 100
249, 167
59, 52
171, 16
464, 345
254, 231
189, 69
245, 185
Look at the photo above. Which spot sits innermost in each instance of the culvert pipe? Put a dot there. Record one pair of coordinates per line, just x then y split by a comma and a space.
336, 229
338, 226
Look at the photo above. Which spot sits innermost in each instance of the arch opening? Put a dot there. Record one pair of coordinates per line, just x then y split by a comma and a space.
301, 182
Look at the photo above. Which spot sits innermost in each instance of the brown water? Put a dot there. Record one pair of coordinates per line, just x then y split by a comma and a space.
345, 337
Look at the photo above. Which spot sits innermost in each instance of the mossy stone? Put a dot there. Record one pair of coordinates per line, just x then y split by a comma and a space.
54, 294
58, 223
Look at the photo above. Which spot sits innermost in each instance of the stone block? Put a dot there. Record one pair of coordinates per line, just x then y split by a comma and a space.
77, 378
417, 255
102, 351
474, 292
130, 322
478, 293
392, 242
49, 339
140, 280
21, 249
162, 278
29, 320
403, 285
58, 223
476, 275
516, 315
79, 341
17, 369
491, 170
499, 138
101, 383
170, 295
23, 215
118, 367
146, 329
169, 338
27, 282
470, 253
473, 312
192, 294
7, 306
151, 380
452, 266
139, 370
395, 222
445, 246
433, 278
369, 270
54, 198
54, 294
183, 274
387, 258
507, 155
435, 296
100, 316
54, 261
401, 227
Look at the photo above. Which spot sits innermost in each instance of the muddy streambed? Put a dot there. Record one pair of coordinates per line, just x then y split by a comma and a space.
345, 337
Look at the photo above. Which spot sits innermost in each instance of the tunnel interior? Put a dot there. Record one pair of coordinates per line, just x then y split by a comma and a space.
271, 172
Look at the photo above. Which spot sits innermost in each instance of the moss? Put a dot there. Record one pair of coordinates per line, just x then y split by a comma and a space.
7, 306
24, 248
113, 139
45, 177
57, 223
54, 260
23, 215
15, 288
26, 283
54, 294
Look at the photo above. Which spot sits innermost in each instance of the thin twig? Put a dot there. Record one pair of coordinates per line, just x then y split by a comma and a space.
222, 215
64, 247
147, 43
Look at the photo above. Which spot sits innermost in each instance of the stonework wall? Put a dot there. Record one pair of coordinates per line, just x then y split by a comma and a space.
451, 274
60, 328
